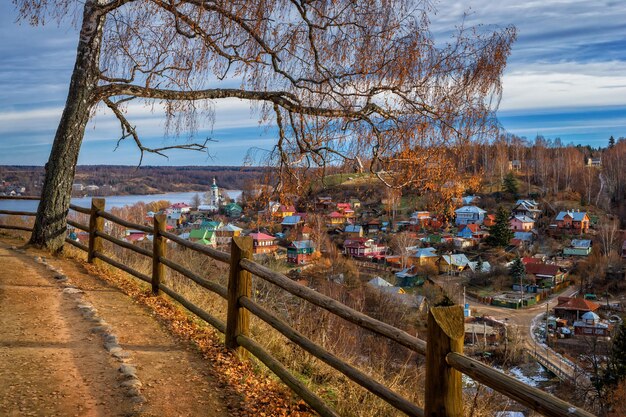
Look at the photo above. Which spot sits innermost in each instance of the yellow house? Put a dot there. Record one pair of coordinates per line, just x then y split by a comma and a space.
423, 256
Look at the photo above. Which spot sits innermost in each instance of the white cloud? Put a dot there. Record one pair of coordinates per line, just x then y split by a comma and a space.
564, 85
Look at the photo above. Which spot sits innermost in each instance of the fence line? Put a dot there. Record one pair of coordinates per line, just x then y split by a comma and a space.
444, 353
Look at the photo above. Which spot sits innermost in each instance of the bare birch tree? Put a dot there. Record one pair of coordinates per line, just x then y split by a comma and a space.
339, 78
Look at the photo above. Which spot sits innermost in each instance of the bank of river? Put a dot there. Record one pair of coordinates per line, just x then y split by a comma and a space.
116, 200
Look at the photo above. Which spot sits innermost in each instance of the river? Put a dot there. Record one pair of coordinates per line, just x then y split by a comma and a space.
117, 200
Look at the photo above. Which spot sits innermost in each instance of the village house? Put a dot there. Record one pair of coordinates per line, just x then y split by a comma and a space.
572, 222
421, 218
489, 220
210, 224
179, 208
545, 275
283, 211
521, 223
226, 233
203, 236
523, 238
528, 208
323, 203
590, 325
343, 206
336, 219
207, 208
134, 236
353, 231
478, 267
423, 256
578, 247
594, 162
467, 231
572, 309
175, 219
469, 214
263, 243
291, 221
470, 199
300, 252
452, 264
364, 248
233, 210
515, 165
372, 226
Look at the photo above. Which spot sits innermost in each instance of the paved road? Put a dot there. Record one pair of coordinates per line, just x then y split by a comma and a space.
523, 320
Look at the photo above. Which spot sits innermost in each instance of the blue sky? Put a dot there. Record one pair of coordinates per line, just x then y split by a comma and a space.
565, 78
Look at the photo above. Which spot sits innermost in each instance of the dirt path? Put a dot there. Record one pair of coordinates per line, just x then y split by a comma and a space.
66, 337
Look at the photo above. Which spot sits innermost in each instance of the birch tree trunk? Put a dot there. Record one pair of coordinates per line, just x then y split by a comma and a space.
50, 223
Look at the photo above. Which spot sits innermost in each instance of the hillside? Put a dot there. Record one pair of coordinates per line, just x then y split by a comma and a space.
139, 180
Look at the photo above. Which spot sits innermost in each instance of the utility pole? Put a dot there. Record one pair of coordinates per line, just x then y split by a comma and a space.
547, 334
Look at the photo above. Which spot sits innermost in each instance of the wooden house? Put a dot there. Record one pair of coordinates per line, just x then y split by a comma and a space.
576, 222
301, 252
452, 264
578, 247
353, 231
572, 309
521, 223
226, 233
263, 243
233, 210
545, 275
364, 248
528, 208
590, 325
203, 236
469, 214
423, 256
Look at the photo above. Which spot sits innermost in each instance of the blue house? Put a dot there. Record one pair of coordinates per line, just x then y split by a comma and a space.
469, 215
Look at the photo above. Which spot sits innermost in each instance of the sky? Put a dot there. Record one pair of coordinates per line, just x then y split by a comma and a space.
566, 78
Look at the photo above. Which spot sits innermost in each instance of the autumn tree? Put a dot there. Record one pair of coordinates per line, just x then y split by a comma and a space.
343, 80
403, 244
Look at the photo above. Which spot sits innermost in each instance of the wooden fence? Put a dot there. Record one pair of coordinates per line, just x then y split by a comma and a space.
445, 362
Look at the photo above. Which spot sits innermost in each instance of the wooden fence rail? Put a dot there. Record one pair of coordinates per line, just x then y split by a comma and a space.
445, 361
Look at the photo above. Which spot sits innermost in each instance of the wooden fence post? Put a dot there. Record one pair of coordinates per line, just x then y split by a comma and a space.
239, 284
444, 392
158, 251
96, 224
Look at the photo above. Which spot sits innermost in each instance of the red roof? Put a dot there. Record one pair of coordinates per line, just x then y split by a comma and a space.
261, 236
133, 237
579, 304
335, 215
542, 269
180, 205
528, 260
473, 227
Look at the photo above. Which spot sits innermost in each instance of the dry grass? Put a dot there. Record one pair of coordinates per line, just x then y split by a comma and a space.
384, 361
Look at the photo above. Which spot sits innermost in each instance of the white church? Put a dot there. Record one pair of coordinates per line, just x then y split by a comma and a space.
213, 199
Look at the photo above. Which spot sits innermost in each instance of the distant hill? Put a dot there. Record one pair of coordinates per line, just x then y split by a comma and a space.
143, 180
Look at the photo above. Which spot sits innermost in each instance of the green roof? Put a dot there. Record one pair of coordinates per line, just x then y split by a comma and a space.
211, 225
233, 206
201, 234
